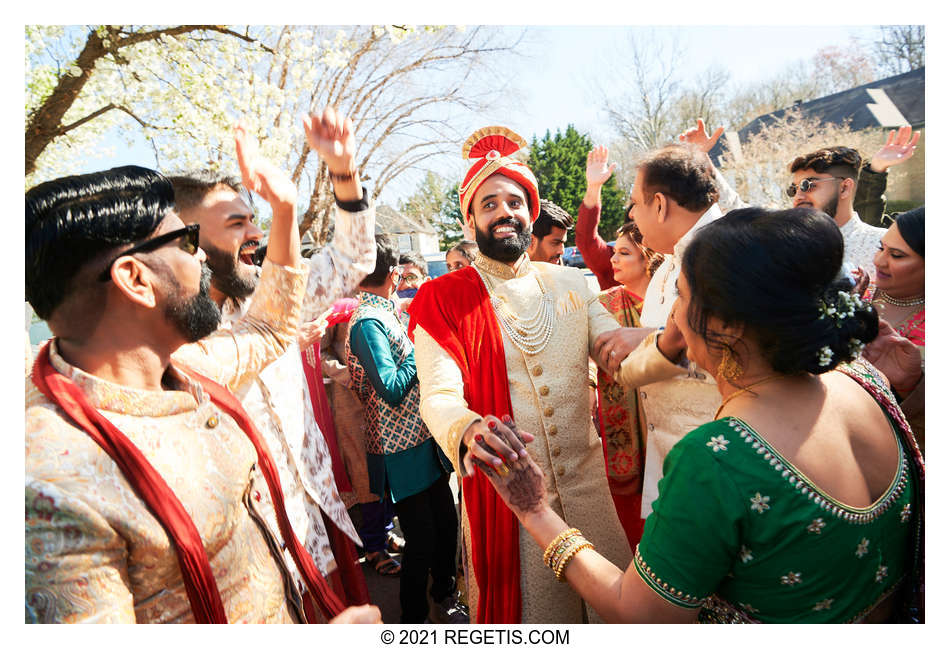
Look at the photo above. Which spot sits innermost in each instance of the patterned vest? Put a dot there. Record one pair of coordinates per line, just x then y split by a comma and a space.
389, 429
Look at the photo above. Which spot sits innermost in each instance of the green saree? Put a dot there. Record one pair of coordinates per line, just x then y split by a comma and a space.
740, 532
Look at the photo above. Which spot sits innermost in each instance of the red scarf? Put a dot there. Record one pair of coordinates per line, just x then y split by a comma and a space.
149, 485
455, 310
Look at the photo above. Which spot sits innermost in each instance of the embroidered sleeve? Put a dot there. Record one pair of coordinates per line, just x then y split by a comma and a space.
234, 357
729, 199
693, 536
337, 270
646, 364
443, 404
75, 562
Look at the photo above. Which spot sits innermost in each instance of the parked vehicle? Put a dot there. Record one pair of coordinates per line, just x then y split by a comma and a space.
436, 264
572, 257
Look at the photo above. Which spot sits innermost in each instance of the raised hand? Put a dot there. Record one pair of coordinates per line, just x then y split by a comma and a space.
896, 150
260, 175
896, 357
493, 442
698, 137
597, 170
330, 134
311, 332
521, 484
468, 232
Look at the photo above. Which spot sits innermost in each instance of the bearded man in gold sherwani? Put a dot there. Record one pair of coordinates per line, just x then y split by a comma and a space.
503, 339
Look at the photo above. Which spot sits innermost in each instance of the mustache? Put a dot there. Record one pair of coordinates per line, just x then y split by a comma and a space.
515, 223
248, 246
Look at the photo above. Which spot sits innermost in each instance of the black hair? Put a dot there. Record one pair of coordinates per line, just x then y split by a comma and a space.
682, 172
75, 219
417, 260
842, 159
911, 226
192, 186
551, 216
386, 258
776, 273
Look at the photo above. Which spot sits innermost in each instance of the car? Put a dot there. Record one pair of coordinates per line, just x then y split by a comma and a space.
435, 261
572, 257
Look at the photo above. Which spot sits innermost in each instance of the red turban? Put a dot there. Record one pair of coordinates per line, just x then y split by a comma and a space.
491, 148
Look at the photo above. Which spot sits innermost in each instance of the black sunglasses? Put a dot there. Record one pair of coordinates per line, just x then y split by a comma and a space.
188, 243
806, 185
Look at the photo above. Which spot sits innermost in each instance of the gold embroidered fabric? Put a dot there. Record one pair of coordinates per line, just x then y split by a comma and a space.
545, 390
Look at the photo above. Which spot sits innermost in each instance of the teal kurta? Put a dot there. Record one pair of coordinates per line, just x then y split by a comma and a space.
740, 531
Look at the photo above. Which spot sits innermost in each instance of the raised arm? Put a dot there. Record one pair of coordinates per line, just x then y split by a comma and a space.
339, 267
869, 201
729, 199
593, 248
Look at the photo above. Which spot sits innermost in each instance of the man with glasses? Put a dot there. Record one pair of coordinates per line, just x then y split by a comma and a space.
415, 271
145, 481
833, 180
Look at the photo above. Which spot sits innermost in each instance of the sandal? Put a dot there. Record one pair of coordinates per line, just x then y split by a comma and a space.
395, 544
383, 563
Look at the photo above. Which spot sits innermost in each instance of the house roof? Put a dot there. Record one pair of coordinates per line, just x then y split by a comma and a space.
389, 221
885, 103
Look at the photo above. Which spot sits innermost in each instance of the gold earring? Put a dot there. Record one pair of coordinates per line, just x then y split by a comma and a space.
729, 367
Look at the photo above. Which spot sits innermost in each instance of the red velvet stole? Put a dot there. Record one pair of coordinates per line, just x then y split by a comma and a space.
455, 310
149, 485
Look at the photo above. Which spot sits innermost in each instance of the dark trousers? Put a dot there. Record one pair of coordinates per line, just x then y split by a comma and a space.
429, 523
377, 521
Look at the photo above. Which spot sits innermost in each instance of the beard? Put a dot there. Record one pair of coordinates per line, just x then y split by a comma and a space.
228, 274
197, 316
831, 207
503, 250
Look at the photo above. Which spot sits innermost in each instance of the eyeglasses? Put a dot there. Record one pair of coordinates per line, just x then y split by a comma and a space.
188, 236
806, 185
411, 277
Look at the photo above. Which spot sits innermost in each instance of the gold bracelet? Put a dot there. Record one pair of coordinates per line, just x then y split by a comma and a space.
553, 545
563, 547
562, 566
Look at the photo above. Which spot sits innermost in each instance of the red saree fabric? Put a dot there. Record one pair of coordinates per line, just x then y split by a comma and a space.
455, 310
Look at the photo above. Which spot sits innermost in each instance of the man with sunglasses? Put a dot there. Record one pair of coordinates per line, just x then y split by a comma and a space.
834, 180
146, 481
276, 394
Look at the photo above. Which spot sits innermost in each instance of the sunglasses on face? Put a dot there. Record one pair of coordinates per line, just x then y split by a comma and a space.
806, 185
187, 241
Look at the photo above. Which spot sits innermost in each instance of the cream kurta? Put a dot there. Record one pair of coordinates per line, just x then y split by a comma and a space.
549, 400
94, 551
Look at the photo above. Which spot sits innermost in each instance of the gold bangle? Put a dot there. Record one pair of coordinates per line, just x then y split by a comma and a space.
563, 547
553, 545
562, 566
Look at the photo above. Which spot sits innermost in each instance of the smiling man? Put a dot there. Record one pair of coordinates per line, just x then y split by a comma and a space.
276, 395
509, 337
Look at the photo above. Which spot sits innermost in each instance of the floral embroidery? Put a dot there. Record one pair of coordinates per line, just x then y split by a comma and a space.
815, 526
862, 548
748, 608
881, 574
791, 579
745, 554
759, 502
905, 513
718, 443
823, 605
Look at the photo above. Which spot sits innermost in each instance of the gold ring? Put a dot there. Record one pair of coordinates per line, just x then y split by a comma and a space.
502, 470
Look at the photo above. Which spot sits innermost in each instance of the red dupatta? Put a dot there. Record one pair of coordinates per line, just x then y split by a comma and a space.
148, 484
455, 310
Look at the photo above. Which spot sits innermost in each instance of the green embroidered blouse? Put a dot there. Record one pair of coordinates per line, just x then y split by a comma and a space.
741, 532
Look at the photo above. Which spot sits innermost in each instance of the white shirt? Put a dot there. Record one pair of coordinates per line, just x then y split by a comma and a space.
861, 242
661, 291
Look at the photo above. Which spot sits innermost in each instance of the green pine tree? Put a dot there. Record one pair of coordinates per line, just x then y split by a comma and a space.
559, 163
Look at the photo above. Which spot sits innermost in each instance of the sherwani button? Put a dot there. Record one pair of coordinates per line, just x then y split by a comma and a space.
537, 371
212, 421
544, 391
556, 451
552, 430
560, 470
549, 412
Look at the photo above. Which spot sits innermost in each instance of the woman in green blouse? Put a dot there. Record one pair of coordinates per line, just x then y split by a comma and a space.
802, 500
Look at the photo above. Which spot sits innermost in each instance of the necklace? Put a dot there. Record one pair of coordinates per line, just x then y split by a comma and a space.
745, 389
896, 301
530, 335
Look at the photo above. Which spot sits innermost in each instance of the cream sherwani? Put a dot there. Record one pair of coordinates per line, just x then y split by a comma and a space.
548, 399
676, 399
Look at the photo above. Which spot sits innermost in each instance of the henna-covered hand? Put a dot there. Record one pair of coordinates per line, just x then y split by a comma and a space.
520, 483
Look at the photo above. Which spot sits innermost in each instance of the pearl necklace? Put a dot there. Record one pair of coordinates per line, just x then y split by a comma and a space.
896, 301
530, 335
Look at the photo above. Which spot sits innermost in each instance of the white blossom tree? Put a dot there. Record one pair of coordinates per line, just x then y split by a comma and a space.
184, 87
